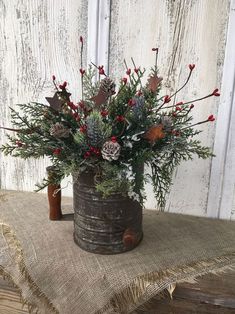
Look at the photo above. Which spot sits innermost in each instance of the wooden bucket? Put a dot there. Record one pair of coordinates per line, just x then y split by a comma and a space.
104, 225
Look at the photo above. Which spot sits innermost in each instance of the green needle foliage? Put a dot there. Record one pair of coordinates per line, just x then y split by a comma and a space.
113, 134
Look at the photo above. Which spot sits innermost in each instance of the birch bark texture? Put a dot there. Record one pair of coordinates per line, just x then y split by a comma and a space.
40, 38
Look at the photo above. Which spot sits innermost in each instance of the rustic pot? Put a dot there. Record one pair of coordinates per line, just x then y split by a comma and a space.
104, 225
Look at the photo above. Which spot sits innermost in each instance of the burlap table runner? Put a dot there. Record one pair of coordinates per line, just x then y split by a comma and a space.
56, 276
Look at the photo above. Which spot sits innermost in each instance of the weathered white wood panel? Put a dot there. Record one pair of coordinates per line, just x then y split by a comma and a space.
41, 38
38, 39
185, 32
221, 200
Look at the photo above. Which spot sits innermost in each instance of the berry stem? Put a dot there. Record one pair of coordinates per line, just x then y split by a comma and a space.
188, 102
139, 77
178, 90
198, 123
81, 56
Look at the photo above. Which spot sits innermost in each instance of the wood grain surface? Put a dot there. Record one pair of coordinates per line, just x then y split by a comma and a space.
38, 39
41, 38
211, 294
185, 32
10, 301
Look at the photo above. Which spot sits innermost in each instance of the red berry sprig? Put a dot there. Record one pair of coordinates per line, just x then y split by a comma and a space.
211, 118
57, 151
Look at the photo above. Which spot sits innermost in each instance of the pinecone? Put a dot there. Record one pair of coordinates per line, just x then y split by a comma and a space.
59, 130
96, 131
138, 108
107, 86
111, 150
167, 123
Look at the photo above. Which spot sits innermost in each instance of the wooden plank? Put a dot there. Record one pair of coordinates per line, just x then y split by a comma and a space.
180, 29
98, 33
211, 294
10, 302
184, 307
39, 39
221, 191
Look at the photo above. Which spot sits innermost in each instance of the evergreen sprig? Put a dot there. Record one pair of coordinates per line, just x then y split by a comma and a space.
112, 134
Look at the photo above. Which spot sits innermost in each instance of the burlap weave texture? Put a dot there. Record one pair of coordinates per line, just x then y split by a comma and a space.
56, 276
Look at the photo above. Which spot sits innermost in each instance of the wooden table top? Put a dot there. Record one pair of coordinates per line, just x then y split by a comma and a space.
211, 294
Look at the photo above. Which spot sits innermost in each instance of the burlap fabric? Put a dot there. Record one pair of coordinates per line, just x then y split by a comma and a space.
56, 276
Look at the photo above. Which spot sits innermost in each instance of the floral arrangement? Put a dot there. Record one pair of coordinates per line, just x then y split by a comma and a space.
113, 132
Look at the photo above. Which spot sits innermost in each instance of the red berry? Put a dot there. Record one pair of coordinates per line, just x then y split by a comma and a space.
178, 108
81, 39
211, 118
167, 99
72, 106
81, 104
179, 103
101, 72
136, 70
124, 80
128, 72
63, 85
120, 118
57, 151
191, 106
175, 132
191, 66
83, 128
104, 113
114, 139
53, 77
19, 143
216, 92
87, 154
131, 102
82, 71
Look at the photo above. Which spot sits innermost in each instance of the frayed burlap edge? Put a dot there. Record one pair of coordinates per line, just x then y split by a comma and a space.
143, 288
8, 277
15, 247
139, 291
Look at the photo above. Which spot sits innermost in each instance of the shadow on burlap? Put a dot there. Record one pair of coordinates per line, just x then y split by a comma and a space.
55, 276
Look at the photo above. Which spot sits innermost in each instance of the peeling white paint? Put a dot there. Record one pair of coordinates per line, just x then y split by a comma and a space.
41, 38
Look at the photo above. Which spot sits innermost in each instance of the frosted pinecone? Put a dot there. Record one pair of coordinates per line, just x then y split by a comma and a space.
138, 108
167, 123
111, 150
107, 86
97, 131
59, 130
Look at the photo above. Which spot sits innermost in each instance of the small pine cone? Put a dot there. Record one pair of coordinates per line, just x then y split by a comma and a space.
111, 150
138, 109
94, 129
107, 86
58, 130
167, 123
